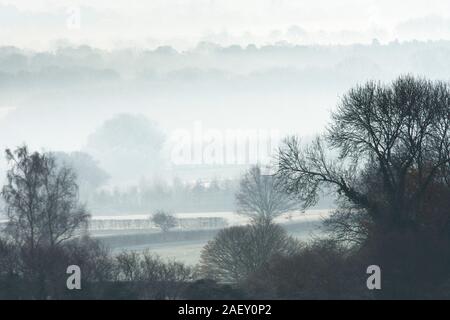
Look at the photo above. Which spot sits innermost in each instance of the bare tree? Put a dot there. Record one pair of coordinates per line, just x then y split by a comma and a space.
163, 220
261, 197
41, 200
238, 251
393, 143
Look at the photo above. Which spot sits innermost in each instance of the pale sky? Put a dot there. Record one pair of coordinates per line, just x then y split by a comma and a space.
39, 24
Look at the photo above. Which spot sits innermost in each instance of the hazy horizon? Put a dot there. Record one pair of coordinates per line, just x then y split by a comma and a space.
55, 100
44, 24
168, 89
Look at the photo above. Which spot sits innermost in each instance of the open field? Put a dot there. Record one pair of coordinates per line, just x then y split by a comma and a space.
186, 245
193, 221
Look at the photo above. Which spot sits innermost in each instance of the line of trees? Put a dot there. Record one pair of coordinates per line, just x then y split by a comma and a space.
176, 196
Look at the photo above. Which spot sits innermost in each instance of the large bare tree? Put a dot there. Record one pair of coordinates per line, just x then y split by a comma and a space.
261, 196
391, 143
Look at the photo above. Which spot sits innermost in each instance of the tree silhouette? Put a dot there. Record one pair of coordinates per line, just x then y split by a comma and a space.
261, 197
393, 144
41, 199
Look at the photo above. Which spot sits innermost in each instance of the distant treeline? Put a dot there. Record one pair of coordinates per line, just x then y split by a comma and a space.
214, 196
177, 197
313, 64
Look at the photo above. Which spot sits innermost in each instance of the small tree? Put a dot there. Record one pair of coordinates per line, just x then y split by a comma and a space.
261, 197
163, 220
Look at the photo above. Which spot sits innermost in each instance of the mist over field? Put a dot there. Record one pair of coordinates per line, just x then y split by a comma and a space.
187, 135
57, 100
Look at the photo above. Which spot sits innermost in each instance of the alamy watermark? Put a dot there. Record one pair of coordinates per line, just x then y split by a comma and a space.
374, 280
211, 146
74, 280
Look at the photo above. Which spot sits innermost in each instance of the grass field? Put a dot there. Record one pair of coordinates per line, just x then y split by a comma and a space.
186, 246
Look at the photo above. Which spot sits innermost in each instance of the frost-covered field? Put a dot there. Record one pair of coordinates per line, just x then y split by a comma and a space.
189, 251
236, 219
299, 224
142, 221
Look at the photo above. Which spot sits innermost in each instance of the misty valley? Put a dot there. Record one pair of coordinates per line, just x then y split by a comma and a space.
216, 150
